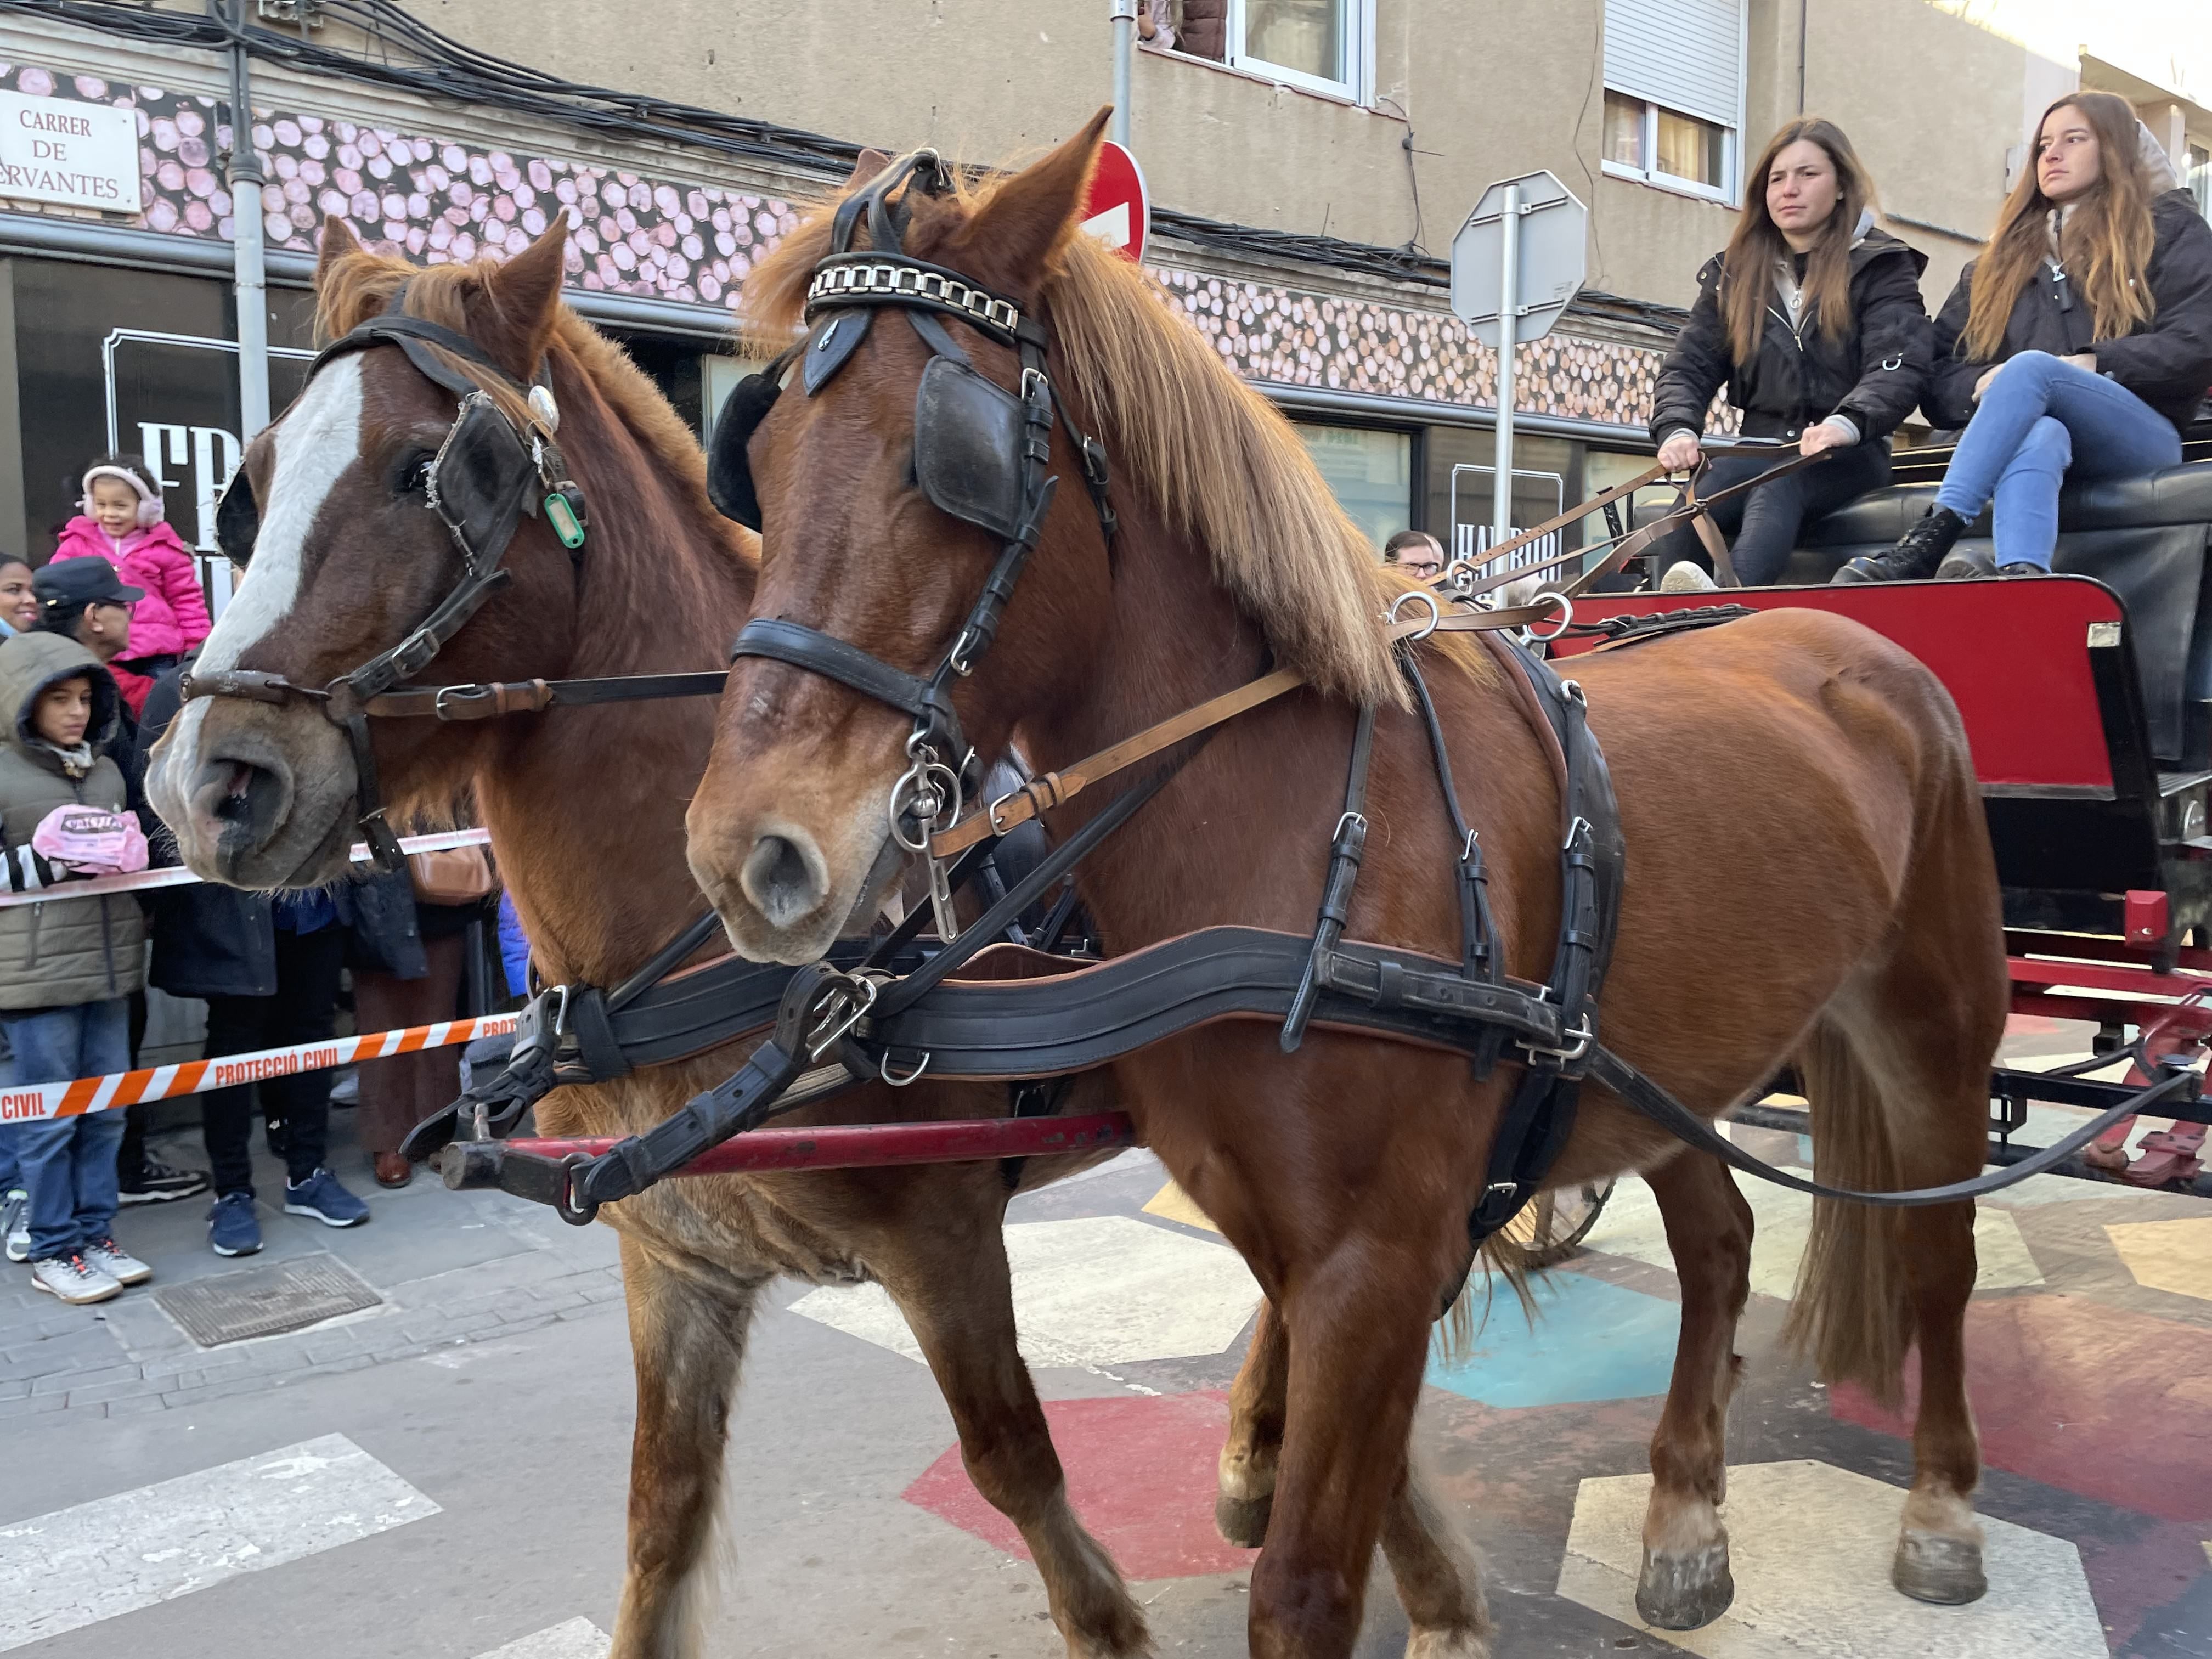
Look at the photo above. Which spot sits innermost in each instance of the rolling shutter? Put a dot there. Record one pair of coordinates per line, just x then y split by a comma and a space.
1685, 54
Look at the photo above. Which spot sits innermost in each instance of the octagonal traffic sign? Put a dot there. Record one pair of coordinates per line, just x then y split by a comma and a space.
1550, 245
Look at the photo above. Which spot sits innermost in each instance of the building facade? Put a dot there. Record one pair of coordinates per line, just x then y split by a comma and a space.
1313, 156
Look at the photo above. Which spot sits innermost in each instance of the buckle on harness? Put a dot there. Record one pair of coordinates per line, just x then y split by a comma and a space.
1500, 1202
1583, 1035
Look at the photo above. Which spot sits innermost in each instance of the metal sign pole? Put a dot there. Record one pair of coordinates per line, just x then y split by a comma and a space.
1508, 321
1124, 42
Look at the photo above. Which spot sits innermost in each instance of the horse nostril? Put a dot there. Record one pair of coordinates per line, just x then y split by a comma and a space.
779, 879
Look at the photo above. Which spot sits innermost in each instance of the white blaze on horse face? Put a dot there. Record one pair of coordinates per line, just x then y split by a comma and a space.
316, 443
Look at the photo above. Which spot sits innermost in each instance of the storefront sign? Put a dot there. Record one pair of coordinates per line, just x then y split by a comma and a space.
59, 149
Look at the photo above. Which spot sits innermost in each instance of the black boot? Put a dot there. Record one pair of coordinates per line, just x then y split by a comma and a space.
1916, 556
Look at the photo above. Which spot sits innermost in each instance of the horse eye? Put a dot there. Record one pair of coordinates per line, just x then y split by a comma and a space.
410, 473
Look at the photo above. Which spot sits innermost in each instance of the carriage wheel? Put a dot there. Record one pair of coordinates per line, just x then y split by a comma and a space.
1549, 1230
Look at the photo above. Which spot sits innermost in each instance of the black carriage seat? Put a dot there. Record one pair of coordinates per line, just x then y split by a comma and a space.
2147, 538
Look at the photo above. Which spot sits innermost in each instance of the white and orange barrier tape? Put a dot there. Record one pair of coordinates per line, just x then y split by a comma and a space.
29, 1102
176, 875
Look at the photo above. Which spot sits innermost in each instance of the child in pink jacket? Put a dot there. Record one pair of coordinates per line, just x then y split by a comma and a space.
121, 521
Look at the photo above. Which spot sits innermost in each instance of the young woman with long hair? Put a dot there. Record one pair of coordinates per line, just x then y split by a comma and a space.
2080, 342
1812, 319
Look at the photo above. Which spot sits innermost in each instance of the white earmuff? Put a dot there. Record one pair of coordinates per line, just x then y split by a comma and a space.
150, 512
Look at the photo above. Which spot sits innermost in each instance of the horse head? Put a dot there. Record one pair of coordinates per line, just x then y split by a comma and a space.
397, 514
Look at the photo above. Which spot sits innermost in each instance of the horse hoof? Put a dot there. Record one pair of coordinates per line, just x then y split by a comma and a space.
1243, 1521
1684, 1592
1930, 1567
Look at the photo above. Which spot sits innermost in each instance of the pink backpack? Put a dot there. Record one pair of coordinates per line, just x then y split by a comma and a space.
90, 840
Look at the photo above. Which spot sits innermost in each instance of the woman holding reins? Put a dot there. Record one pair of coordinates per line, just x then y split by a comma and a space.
1812, 320
2079, 343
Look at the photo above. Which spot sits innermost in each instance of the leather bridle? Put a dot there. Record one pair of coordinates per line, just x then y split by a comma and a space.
981, 455
487, 474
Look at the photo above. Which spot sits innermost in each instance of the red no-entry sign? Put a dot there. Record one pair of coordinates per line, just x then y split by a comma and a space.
1118, 212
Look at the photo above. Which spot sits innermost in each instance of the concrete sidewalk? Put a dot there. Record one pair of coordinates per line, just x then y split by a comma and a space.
452, 1269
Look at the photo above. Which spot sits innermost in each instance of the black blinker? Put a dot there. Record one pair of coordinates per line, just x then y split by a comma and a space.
967, 446
729, 468
237, 519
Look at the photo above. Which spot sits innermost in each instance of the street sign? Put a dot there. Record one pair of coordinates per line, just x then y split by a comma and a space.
1118, 212
1515, 263
1553, 234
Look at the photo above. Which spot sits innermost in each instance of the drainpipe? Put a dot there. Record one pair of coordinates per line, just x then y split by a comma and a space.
1125, 44
249, 274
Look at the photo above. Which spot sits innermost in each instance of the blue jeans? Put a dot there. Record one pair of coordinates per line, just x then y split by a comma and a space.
68, 1164
2040, 418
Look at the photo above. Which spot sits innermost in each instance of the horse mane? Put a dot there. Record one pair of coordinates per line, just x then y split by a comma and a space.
361, 285
1217, 461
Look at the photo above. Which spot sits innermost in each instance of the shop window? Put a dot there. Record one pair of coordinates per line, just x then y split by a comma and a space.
1461, 463
1673, 93
139, 362
1324, 45
2200, 178
1370, 472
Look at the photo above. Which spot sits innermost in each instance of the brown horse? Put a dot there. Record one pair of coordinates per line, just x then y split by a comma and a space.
585, 811
1808, 877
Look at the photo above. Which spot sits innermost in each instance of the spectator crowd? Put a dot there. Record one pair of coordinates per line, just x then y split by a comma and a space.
93, 649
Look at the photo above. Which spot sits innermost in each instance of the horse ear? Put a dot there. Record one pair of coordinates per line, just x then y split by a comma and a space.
339, 240
870, 163
1022, 224
523, 296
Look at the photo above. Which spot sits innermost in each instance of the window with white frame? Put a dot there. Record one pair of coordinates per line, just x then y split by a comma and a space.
1673, 94
1322, 46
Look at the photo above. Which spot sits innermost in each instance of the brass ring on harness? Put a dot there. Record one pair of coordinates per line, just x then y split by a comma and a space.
1435, 611
1566, 615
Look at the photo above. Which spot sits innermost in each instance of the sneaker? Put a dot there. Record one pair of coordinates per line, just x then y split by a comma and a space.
16, 1213
233, 1228
1916, 556
321, 1196
73, 1279
117, 1263
346, 1091
1980, 564
1687, 578
160, 1183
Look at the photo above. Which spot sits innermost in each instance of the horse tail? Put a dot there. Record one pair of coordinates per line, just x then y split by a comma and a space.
1897, 1071
1852, 1312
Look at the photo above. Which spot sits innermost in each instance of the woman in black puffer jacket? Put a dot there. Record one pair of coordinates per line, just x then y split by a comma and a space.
2078, 345
1812, 320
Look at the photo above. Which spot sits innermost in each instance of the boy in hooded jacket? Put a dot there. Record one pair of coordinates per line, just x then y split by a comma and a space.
119, 518
68, 966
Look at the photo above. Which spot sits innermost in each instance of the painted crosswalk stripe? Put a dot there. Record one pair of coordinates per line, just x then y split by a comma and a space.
115, 1555
574, 1638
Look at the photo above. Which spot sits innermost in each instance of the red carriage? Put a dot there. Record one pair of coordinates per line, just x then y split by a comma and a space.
2087, 697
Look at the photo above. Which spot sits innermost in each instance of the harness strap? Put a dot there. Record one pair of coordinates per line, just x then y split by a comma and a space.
1480, 955
1344, 852
488, 701
833, 659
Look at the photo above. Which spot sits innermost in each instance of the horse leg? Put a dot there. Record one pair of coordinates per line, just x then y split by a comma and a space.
1685, 1582
1438, 1575
954, 1286
687, 1331
1358, 1323
1255, 1435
